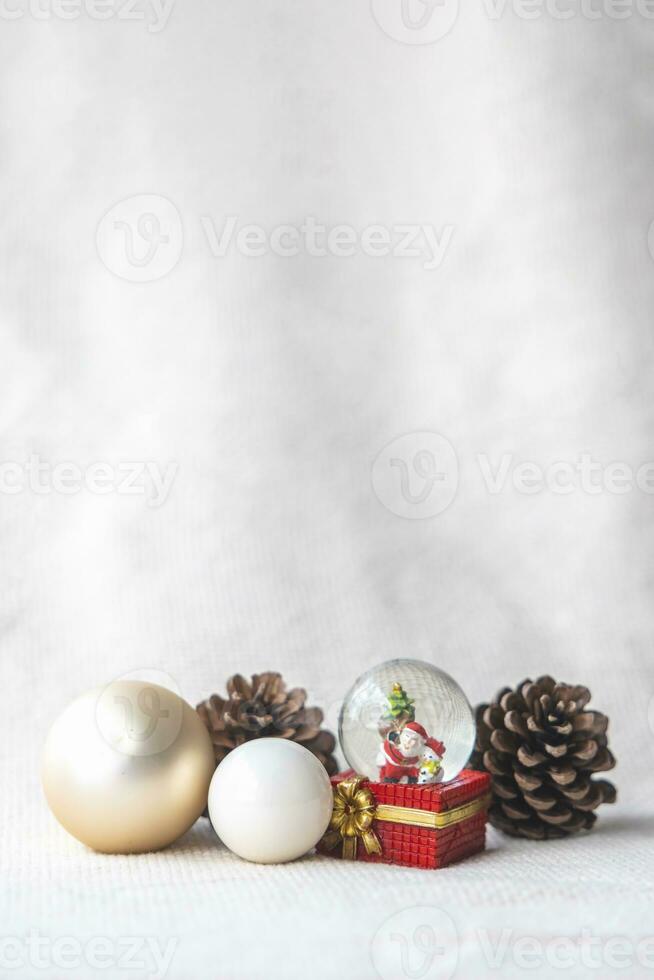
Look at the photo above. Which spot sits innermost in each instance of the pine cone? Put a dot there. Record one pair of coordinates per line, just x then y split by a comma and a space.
263, 708
541, 747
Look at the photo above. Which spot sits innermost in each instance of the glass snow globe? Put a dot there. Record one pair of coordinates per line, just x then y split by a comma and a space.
406, 721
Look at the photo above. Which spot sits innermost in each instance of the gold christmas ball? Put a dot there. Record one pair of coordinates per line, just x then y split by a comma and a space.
127, 767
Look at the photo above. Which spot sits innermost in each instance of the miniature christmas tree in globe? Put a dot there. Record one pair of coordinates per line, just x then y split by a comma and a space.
400, 710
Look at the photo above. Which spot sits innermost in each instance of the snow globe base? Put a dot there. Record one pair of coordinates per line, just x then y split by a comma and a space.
412, 826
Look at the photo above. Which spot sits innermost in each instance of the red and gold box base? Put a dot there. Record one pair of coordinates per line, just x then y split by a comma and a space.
410, 825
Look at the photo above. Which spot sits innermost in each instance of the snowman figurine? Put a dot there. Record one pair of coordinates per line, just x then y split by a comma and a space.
431, 770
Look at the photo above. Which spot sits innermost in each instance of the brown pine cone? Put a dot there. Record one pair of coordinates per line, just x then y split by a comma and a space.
541, 747
263, 708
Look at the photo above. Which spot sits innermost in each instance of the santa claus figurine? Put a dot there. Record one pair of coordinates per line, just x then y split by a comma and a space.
400, 759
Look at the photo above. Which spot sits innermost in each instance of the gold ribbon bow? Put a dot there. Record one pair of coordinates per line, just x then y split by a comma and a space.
352, 817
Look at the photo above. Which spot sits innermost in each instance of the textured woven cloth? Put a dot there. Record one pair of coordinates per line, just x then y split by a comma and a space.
484, 311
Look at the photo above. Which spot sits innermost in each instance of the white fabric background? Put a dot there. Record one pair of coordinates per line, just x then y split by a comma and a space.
274, 383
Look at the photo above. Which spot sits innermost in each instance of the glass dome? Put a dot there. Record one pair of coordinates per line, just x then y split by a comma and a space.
406, 721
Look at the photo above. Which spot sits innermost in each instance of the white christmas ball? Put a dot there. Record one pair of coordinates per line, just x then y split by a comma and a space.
270, 800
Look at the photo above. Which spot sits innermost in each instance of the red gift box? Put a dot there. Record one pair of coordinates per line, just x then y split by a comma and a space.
412, 825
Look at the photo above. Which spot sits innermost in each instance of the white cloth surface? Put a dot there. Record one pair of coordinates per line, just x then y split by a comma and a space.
274, 382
